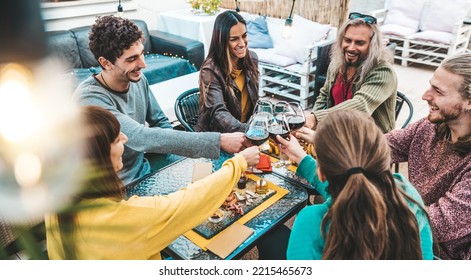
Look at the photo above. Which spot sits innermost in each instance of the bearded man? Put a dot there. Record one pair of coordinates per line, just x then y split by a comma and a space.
437, 149
359, 76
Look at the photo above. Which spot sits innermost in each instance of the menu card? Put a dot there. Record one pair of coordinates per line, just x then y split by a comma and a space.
229, 239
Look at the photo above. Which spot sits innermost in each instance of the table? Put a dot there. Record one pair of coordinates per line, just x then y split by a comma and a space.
186, 24
176, 175
166, 93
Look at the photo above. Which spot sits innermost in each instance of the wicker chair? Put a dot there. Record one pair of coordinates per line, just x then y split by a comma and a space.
186, 108
401, 98
25, 241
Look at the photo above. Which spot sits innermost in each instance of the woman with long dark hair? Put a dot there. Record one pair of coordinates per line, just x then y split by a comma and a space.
368, 213
228, 79
102, 224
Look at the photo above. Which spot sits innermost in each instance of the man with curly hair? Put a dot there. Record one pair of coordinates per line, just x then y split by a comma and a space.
121, 88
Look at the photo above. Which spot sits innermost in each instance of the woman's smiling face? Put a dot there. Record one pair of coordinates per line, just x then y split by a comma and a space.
238, 41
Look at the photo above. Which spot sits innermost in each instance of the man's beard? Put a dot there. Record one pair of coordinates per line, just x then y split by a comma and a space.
133, 80
357, 63
447, 115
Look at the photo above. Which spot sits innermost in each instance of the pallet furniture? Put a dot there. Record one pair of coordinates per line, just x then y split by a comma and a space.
292, 84
425, 31
291, 77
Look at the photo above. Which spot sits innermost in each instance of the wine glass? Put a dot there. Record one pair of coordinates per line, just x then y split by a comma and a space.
281, 107
278, 125
257, 130
296, 119
264, 108
295, 116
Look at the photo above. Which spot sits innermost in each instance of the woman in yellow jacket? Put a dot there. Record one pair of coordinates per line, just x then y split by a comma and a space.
103, 225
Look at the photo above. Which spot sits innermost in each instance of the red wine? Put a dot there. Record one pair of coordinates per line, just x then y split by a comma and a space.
295, 122
257, 137
283, 133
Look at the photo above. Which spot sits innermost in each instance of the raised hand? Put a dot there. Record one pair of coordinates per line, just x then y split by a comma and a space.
311, 121
251, 155
292, 148
233, 142
305, 134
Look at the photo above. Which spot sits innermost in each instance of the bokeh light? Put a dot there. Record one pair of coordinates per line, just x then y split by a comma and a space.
40, 140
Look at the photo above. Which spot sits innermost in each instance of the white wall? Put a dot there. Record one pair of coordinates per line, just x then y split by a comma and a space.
66, 15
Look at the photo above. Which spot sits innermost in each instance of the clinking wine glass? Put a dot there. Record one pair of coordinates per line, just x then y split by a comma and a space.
281, 107
296, 118
263, 108
278, 125
257, 130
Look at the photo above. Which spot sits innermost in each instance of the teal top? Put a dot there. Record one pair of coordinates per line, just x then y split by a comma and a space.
306, 242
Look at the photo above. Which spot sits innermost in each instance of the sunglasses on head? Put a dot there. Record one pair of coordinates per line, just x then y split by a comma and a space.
367, 18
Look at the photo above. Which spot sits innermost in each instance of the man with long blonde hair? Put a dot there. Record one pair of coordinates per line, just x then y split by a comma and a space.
359, 76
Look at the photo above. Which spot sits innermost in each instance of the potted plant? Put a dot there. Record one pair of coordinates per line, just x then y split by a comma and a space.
208, 7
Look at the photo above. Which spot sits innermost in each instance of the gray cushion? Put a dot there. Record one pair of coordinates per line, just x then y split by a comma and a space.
62, 44
86, 55
145, 32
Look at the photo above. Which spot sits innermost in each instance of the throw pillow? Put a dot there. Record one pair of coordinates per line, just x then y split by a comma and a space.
443, 15
398, 30
405, 13
434, 36
304, 34
257, 31
269, 56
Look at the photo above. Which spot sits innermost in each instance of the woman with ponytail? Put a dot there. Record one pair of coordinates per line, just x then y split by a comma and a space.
368, 213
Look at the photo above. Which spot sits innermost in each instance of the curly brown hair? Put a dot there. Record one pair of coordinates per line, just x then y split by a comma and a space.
111, 35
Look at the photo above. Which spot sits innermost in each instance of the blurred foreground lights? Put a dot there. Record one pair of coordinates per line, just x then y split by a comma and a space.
40, 140
27, 170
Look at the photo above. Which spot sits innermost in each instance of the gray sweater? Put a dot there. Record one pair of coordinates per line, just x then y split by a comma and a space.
134, 109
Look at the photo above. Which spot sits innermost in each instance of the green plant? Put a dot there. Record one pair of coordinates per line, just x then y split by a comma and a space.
207, 6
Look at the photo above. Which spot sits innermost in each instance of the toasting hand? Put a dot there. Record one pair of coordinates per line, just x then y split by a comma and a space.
251, 155
305, 134
292, 149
